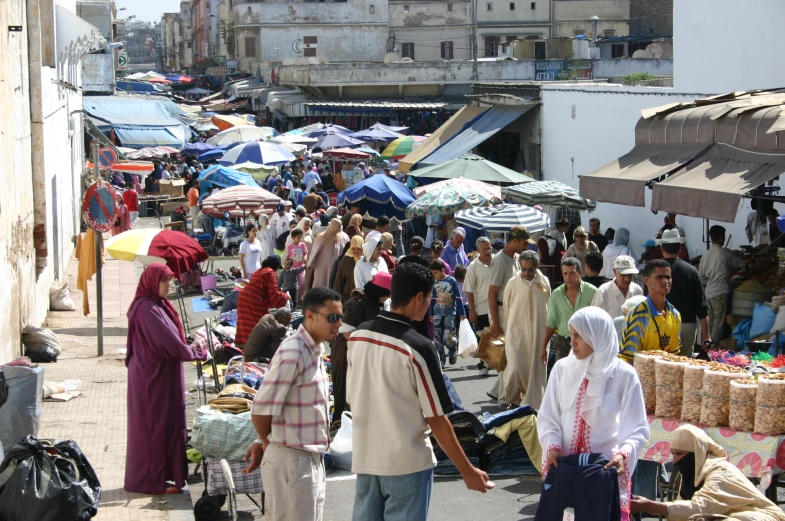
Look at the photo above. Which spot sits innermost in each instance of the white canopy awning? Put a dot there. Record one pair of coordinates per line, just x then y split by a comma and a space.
75, 36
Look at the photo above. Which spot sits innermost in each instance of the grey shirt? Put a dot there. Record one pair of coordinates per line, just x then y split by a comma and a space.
503, 268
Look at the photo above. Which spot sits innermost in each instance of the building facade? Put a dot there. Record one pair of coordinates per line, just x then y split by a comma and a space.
651, 18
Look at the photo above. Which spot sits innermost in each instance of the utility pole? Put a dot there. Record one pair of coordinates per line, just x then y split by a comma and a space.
99, 283
474, 40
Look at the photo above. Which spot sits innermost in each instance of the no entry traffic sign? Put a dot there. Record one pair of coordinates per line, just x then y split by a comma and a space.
99, 207
107, 158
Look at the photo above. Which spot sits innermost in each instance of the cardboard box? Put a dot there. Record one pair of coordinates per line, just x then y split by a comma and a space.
491, 351
173, 187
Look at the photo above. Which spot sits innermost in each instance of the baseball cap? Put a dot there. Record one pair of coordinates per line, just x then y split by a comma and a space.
625, 265
280, 207
649, 243
519, 232
671, 237
287, 203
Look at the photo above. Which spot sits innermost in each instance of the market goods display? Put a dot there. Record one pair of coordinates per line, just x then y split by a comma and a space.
691, 391
644, 363
670, 378
716, 393
742, 404
770, 405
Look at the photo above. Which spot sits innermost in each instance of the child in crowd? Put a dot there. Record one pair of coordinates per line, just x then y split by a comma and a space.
460, 274
447, 311
298, 252
288, 279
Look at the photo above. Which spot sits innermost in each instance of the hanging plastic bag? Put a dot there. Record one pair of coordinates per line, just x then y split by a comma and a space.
467, 341
341, 445
47, 480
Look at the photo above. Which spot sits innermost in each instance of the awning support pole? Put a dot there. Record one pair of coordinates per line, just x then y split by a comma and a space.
99, 283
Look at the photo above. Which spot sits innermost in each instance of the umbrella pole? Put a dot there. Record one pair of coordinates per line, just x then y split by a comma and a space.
99, 282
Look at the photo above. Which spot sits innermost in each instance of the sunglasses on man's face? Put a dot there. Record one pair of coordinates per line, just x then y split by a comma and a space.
529, 270
332, 318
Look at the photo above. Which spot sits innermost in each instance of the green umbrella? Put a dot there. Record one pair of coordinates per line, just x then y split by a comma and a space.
448, 199
472, 167
401, 147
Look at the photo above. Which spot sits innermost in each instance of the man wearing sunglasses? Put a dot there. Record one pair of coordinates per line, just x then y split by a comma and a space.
398, 399
291, 414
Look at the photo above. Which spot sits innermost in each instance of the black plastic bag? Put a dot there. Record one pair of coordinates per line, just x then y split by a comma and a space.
3, 389
41, 355
47, 480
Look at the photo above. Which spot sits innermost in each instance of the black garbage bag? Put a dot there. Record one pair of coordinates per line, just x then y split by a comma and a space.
3, 389
41, 355
47, 480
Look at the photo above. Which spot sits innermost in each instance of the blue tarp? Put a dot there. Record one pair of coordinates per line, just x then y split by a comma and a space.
225, 177
475, 132
142, 137
379, 195
144, 122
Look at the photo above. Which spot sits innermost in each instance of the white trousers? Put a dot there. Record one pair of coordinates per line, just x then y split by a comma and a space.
134, 217
294, 483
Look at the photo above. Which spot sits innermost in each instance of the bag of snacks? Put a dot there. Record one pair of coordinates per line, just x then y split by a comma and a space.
770, 405
715, 406
670, 378
742, 405
644, 364
691, 391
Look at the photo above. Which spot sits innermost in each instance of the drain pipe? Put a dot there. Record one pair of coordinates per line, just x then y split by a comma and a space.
37, 134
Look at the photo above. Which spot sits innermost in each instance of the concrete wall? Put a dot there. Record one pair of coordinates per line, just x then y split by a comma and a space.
427, 24
649, 17
721, 45
623, 66
341, 43
275, 13
97, 13
572, 15
584, 128
522, 13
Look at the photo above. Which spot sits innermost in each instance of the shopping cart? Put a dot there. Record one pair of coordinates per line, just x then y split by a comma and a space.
223, 481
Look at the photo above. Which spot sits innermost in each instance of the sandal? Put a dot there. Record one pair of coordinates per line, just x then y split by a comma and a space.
169, 490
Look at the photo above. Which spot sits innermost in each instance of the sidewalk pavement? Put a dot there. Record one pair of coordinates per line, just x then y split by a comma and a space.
96, 420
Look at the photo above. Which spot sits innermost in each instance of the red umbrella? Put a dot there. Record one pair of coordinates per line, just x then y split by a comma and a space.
241, 201
180, 252
345, 153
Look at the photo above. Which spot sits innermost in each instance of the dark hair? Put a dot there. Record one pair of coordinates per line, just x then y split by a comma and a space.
436, 264
716, 232
273, 261
297, 232
302, 186
594, 219
652, 265
594, 261
249, 228
415, 259
572, 261
313, 189
382, 221
671, 248
459, 273
289, 259
301, 212
437, 246
416, 243
317, 297
409, 280
668, 227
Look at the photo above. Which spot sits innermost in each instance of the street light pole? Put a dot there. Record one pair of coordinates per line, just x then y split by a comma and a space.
474, 40
99, 283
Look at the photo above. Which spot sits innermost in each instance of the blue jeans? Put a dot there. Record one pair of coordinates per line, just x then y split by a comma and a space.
444, 335
393, 498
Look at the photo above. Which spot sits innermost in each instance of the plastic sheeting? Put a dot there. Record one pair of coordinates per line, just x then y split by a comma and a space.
20, 416
147, 137
139, 122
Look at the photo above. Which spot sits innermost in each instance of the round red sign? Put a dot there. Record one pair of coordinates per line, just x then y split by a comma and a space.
99, 207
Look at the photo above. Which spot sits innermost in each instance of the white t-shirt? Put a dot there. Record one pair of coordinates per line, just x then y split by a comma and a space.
253, 256
477, 277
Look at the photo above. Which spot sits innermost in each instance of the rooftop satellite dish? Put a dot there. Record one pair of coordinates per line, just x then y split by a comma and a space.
323, 58
313, 60
654, 50
640, 53
406, 60
391, 57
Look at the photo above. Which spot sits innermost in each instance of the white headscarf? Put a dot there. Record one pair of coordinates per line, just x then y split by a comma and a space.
369, 247
595, 326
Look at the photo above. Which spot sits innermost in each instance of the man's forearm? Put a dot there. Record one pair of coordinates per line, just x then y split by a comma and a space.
445, 436
263, 425
549, 331
704, 323
493, 303
470, 298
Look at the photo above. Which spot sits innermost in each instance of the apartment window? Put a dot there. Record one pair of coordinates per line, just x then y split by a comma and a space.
539, 51
617, 50
250, 47
405, 8
492, 46
533, 6
449, 7
447, 51
372, 9
489, 6
408, 50
512, 6
310, 45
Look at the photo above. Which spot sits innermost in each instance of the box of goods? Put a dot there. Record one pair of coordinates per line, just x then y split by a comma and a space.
691, 391
491, 351
770, 405
670, 379
171, 187
742, 405
715, 406
645, 365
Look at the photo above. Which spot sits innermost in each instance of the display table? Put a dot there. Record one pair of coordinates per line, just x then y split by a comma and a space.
752, 453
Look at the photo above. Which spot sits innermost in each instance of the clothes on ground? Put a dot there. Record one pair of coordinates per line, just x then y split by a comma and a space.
252, 256
255, 301
560, 310
526, 429
394, 382
645, 329
610, 298
687, 291
264, 340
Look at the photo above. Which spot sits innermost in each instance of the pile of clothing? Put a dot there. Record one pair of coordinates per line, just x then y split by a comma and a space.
510, 445
468, 430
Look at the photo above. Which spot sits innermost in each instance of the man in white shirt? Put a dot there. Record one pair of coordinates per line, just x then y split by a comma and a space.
715, 271
279, 222
476, 287
611, 295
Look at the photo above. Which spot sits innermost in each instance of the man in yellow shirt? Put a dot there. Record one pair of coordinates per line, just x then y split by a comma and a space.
653, 325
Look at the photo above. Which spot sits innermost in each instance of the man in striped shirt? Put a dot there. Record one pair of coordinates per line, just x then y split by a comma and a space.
398, 398
290, 414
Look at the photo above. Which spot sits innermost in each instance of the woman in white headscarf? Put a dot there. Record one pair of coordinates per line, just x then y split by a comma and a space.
263, 236
611, 251
371, 263
593, 403
306, 225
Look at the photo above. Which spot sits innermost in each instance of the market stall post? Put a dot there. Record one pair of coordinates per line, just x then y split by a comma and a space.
99, 284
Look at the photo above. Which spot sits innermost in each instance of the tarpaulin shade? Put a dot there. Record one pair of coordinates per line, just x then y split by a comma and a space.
451, 127
624, 180
128, 110
471, 167
224, 177
475, 132
75, 36
142, 137
712, 186
379, 195
197, 148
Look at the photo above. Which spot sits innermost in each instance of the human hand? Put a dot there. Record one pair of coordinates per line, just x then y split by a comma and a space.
496, 330
472, 316
639, 504
476, 479
552, 460
254, 455
544, 355
618, 462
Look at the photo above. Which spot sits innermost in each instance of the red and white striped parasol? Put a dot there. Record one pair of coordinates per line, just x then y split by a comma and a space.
241, 201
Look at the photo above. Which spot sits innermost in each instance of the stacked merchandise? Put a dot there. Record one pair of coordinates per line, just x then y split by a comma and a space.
468, 430
511, 447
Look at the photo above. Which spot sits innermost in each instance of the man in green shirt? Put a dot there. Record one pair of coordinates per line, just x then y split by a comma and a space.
568, 298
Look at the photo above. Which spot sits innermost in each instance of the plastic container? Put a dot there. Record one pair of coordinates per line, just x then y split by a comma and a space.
208, 281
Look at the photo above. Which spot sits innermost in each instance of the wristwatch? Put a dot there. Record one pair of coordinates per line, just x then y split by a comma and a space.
260, 441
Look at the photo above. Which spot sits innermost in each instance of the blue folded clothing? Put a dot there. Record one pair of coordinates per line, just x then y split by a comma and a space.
490, 421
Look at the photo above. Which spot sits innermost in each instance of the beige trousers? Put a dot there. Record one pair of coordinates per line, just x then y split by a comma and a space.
294, 483
689, 335
498, 386
718, 308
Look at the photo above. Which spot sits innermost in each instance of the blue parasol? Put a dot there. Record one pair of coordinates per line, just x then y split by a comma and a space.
379, 195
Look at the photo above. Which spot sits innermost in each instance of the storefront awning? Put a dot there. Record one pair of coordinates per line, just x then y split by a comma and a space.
712, 186
624, 180
75, 36
442, 134
142, 137
481, 128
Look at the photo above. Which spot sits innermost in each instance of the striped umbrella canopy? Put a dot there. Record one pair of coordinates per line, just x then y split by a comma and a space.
241, 201
401, 147
547, 193
259, 152
332, 139
242, 133
449, 198
179, 251
502, 217
487, 190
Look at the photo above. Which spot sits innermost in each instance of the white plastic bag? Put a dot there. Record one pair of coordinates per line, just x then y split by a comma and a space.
59, 297
341, 445
467, 341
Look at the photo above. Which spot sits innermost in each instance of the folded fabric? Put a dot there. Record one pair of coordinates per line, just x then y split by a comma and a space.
526, 428
490, 421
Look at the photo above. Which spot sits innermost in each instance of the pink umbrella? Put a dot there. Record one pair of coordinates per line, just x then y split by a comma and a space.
241, 201
486, 190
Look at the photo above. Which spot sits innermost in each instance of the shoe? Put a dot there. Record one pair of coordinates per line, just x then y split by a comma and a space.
479, 366
491, 396
484, 371
453, 359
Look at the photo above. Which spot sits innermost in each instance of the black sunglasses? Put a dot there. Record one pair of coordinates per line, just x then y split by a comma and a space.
332, 318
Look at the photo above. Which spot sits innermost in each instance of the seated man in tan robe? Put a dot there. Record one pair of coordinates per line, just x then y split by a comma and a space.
712, 488
526, 304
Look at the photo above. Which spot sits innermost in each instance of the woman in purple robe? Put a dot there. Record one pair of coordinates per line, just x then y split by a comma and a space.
157, 348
